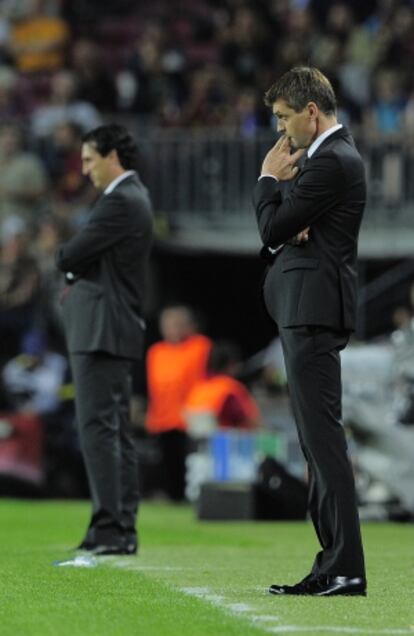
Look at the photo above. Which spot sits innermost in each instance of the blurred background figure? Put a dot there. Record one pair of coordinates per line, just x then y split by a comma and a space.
19, 285
95, 83
385, 116
174, 366
39, 38
50, 232
220, 397
62, 106
60, 152
34, 377
13, 106
23, 179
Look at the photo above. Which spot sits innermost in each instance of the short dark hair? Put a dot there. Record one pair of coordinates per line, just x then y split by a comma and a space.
222, 354
301, 85
114, 137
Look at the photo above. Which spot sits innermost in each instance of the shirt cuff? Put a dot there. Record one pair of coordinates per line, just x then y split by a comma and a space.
272, 176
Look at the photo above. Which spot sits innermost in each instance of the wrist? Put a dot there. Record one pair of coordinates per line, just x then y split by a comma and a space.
267, 174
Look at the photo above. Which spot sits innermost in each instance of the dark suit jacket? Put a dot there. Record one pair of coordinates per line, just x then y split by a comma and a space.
315, 283
103, 309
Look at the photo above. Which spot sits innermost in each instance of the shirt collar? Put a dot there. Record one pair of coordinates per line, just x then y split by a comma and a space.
315, 145
118, 180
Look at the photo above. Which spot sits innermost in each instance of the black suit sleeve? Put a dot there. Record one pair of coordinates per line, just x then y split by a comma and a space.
109, 224
314, 193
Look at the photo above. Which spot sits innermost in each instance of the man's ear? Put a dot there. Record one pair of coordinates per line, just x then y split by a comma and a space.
113, 155
313, 111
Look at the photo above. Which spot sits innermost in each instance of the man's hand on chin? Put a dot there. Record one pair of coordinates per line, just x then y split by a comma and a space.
301, 238
279, 163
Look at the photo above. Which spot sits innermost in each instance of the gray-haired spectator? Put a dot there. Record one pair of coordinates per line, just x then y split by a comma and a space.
19, 285
64, 106
23, 178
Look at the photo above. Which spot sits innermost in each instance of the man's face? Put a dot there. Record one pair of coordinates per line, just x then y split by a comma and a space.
9, 142
175, 325
96, 167
300, 128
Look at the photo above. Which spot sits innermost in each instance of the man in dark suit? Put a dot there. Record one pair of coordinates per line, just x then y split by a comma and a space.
310, 231
106, 261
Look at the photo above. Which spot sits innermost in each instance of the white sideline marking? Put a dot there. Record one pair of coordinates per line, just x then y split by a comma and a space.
136, 566
265, 618
242, 608
216, 599
195, 591
284, 629
239, 608
235, 608
206, 594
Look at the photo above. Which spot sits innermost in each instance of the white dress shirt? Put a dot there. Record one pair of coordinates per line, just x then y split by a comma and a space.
313, 147
118, 180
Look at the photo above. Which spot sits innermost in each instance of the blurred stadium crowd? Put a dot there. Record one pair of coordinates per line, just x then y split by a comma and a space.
199, 62
66, 66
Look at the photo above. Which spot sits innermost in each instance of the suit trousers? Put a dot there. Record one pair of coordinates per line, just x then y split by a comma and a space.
173, 445
103, 389
314, 377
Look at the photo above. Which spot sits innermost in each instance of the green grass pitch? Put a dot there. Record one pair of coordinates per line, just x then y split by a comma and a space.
190, 578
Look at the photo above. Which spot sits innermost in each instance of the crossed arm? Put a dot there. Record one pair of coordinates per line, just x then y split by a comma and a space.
313, 194
107, 226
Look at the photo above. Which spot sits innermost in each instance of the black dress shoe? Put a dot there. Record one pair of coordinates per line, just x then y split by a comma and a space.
126, 547
131, 548
85, 545
106, 550
127, 544
324, 586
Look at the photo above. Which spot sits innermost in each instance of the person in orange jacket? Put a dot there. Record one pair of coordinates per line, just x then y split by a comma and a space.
220, 395
174, 365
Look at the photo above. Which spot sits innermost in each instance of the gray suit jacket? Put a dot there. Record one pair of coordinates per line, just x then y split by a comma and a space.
103, 309
315, 283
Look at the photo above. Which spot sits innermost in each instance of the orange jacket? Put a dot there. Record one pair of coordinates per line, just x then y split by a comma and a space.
228, 400
172, 371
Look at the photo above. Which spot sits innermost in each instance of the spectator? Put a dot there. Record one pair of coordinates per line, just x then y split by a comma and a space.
61, 153
5, 57
12, 105
23, 178
95, 81
19, 285
174, 366
38, 40
51, 231
64, 106
154, 78
398, 35
248, 113
246, 46
401, 318
361, 56
208, 102
34, 378
220, 395
409, 118
299, 35
386, 114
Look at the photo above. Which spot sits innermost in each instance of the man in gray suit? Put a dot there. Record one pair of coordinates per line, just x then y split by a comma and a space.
310, 291
106, 262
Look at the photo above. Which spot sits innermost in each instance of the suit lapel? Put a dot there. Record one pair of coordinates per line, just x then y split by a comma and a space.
341, 133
